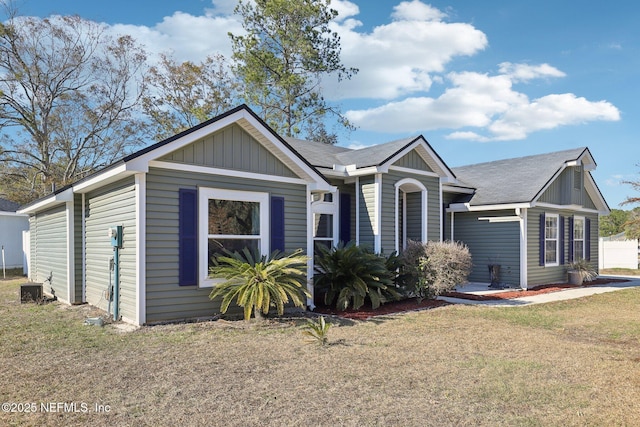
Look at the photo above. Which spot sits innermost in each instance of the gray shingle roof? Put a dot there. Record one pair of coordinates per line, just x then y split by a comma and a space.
8, 206
517, 180
326, 155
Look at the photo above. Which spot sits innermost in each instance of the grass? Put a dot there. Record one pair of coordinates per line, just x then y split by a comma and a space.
569, 363
620, 271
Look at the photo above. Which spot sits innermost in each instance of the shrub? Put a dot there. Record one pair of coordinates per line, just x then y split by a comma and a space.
349, 274
433, 268
259, 282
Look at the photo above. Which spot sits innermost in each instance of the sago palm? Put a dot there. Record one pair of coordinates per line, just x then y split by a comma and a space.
258, 282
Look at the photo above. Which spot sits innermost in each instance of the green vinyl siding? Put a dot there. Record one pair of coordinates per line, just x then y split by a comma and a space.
49, 250
231, 148
77, 245
490, 243
541, 275
110, 206
165, 299
367, 211
414, 205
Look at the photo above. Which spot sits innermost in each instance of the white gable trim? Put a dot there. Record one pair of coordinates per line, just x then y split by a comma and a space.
428, 155
49, 202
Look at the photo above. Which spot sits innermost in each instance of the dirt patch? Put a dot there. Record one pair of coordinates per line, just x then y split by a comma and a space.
543, 289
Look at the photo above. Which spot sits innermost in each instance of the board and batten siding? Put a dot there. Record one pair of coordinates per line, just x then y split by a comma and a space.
49, 250
567, 189
231, 148
490, 243
432, 184
413, 160
542, 275
165, 299
110, 206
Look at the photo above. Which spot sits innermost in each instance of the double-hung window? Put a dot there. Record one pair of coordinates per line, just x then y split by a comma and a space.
231, 220
551, 240
578, 238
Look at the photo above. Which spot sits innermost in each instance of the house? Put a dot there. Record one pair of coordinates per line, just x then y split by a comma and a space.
530, 215
136, 238
12, 226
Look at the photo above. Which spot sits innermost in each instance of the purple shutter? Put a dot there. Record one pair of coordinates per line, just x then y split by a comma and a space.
187, 237
587, 239
561, 237
277, 224
543, 221
571, 239
345, 217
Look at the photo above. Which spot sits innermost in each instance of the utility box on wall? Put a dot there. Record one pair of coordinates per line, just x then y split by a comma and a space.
115, 233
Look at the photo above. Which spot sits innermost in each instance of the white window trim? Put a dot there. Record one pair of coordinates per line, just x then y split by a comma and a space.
328, 208
557, 239
204, 195
584, 225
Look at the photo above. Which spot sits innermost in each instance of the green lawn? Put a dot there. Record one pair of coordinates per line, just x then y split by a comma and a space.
569, 363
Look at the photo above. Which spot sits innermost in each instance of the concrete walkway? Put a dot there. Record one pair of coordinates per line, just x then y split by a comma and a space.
482, 289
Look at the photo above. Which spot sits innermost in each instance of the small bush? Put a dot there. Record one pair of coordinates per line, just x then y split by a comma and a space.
433, 268
318, 331
350, 274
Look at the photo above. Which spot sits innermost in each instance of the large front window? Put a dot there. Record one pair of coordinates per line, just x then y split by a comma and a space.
551, 240
233, 220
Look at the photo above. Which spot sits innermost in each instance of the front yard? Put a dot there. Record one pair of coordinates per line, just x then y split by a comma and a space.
568, 363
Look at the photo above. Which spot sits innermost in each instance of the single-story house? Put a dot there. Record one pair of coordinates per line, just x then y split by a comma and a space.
139, 235
12, 226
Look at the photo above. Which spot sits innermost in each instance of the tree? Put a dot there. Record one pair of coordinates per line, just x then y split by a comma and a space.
281, 60
68, 97
614, 223
632, 226
186, 94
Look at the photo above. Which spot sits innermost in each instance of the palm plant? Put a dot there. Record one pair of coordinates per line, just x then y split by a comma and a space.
350, 274
318, 331
258, 282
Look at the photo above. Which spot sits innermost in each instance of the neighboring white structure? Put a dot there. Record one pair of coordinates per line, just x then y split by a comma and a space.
12, 225
618, 252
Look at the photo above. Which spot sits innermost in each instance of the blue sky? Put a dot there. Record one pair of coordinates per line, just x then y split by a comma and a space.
480, 80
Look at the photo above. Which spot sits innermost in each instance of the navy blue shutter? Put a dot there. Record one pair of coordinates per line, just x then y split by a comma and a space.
571, 239
277, 223
543, 222
561, 236
587, 239
187, 237
345, 217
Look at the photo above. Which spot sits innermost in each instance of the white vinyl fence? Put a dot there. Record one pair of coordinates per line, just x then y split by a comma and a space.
618, 253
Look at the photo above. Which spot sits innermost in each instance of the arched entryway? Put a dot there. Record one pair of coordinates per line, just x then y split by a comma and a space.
410, 212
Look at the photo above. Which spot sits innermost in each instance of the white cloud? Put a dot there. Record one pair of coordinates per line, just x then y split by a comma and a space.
399, 58
526, 72
487, 103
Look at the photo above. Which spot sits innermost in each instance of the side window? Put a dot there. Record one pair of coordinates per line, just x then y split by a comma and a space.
578, 238
551, 240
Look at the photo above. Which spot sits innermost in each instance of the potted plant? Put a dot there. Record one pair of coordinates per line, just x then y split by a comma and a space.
580, 271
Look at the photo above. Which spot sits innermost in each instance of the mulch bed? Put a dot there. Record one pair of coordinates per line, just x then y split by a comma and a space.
394, 307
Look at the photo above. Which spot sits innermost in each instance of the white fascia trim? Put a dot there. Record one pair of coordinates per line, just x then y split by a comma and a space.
84, 250
524, 269
13, 214
596, 196
377, 228
111, 175
310, 254
49, 202
141, 245
455, 189
413, 171
371, 170
499, 218
465, 207
421, 142
70, 254
226, 172
358, 192
575, 208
